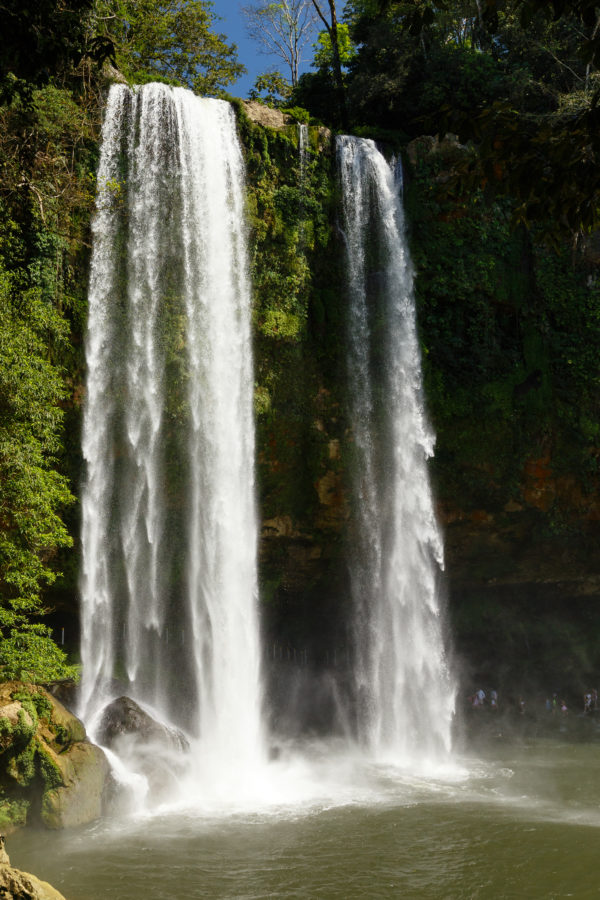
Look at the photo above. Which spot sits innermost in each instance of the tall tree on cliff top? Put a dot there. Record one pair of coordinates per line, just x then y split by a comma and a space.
41, 38
330, 21
518, 79
170, 40
282, 29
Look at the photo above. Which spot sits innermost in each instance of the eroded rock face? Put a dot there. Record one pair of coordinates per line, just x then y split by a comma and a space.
264, 115
17, 885
79, 797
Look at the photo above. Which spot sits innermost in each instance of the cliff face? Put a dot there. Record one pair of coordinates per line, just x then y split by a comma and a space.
509, 332
508, 328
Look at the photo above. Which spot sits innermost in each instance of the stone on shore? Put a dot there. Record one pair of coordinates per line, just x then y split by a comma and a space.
18, 885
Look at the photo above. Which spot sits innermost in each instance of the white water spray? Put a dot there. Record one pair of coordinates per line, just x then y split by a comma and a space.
169, 585
403, 687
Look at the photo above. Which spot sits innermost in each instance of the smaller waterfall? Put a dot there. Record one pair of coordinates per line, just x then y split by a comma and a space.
302, 150
403, 687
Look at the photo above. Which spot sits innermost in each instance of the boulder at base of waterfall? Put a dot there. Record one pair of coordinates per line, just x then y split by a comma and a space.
50, 774
125, 718
146, 747
80, 777
18, 885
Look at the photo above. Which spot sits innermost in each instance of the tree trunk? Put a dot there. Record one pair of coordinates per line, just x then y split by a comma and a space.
337, 65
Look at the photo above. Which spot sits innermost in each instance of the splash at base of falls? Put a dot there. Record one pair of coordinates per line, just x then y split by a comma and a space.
314, 774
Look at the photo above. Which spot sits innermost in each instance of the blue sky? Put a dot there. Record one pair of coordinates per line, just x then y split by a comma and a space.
232, 25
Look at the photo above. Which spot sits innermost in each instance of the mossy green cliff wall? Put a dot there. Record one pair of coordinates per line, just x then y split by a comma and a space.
509, 332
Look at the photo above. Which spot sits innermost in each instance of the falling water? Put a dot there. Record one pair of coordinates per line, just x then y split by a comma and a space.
404, 691
302, 150
168, 579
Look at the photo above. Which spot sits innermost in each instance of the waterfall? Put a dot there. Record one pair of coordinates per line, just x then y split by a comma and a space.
168, 583
405, 697
302, 151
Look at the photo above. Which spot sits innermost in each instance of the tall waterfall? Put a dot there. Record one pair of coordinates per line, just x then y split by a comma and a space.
404, 690
169, 585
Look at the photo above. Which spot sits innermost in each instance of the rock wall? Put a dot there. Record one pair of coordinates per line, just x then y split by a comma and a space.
513, 396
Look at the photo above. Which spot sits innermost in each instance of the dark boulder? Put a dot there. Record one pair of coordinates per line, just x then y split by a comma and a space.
125, 718
147, 747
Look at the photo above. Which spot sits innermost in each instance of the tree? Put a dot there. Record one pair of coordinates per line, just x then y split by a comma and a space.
282, 29
32, 491
515, 80
331, 26
170, 40
273, 86
42, 39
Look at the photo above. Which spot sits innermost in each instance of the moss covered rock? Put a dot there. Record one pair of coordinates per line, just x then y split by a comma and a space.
49, 772
79, 777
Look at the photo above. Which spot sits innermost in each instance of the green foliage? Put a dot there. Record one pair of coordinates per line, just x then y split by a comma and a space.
28, 652
272, 88
13, 813
32, 491
298, 113
36, 703
323, 58
43, 211
46, 38
296, 308
169, 40
509, 330
49, 771
515, 81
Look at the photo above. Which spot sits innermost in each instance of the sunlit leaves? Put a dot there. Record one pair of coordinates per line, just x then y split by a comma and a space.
170, 40
32, 492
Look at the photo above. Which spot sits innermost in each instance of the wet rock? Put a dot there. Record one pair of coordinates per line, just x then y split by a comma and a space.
65, 691
124, 717
147, 747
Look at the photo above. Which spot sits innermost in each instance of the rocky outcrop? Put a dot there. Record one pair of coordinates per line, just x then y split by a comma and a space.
18, 885
266, 115
50, 774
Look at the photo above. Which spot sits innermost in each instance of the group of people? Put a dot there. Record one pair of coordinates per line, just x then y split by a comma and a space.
554, 704
590, 704
478, 700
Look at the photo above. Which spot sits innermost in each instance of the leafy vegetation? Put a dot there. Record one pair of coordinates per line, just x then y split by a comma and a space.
518, 80
168, 40
509, 326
